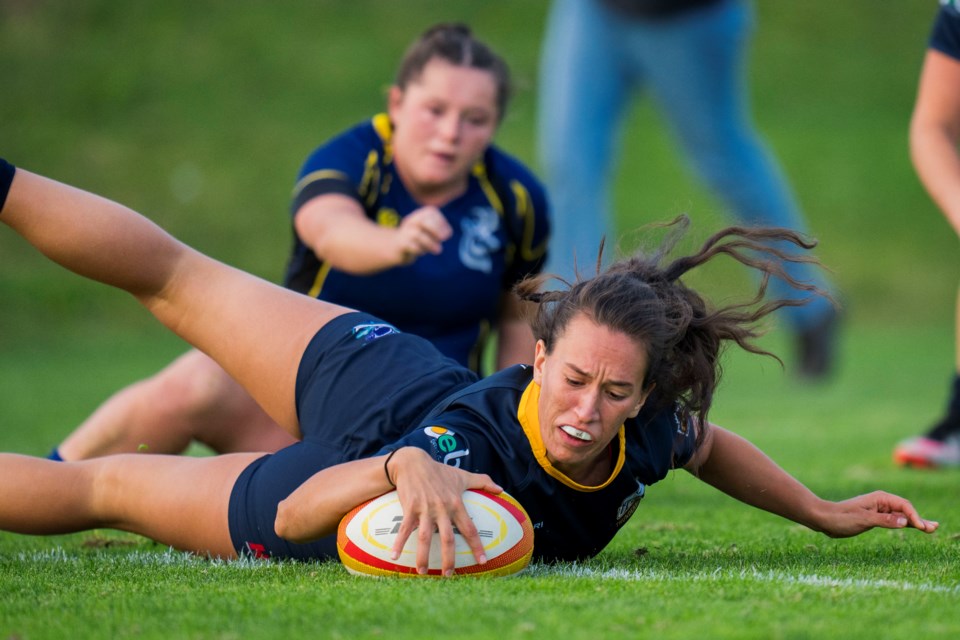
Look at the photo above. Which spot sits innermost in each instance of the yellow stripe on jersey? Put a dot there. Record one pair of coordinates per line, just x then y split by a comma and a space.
384, 129
313, 176
529, 415
319, 280
371, 177
475, 359
525, 210
480, 173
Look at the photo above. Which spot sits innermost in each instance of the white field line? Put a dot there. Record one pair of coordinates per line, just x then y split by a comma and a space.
168, 558
171, 557
778, 577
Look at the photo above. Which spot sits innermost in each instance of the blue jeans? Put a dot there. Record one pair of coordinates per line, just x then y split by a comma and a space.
593, 62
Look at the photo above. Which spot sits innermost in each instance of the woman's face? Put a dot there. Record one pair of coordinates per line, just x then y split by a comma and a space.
443, 121
590, 384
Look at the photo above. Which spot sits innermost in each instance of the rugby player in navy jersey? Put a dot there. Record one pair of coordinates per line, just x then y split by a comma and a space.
622, 378
934, 135
412, 215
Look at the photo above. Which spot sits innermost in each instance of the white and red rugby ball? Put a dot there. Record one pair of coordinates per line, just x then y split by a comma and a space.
366, 535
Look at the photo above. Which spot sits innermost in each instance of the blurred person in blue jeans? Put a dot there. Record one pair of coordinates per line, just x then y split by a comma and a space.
597, 55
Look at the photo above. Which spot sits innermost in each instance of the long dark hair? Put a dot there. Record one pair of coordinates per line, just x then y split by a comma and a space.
644, 297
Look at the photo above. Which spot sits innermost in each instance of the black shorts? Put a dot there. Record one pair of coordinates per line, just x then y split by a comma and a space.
361, 385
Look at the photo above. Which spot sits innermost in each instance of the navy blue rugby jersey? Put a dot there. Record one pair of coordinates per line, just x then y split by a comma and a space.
492, 427
946, 29
500, 224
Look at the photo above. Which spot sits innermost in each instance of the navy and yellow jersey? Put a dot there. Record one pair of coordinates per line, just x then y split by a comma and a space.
493, 427
500, 228
364, 388
946, 29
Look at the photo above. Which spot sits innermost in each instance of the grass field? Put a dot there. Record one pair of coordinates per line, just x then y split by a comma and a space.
199, 114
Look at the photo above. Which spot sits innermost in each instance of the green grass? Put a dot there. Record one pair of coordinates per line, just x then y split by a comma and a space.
199, 114
690, 562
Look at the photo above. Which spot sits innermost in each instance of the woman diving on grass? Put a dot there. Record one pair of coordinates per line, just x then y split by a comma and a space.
617, 394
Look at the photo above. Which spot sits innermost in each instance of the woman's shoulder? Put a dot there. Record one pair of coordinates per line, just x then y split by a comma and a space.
662, 437
358, 139
519, 185
508, 167
945, 36
499, 390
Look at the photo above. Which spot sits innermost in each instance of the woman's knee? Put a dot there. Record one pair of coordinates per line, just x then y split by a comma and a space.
193, 386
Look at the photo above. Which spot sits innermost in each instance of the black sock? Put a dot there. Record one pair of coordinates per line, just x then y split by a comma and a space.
951, 421
6, 179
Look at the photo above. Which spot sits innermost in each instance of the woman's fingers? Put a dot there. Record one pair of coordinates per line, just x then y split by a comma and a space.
878, 509
431, 495
424, 231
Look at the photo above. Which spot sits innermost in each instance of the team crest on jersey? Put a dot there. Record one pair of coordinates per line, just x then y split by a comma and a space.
448, 448
630, 504
372, 330
479, 239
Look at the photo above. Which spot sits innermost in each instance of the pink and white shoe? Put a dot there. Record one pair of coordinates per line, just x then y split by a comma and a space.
924, 453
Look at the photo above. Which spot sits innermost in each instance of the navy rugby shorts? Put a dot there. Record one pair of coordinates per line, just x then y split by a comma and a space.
361, 384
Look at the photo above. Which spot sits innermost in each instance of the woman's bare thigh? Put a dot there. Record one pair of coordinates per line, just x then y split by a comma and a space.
176, 500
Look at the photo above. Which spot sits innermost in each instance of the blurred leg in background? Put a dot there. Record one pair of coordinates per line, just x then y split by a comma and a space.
934, 136
691, 56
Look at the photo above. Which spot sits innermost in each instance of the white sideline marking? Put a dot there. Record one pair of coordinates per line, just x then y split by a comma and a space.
577, 571
171, 557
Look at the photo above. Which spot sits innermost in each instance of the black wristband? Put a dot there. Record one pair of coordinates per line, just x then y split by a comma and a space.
6, 179
387, 471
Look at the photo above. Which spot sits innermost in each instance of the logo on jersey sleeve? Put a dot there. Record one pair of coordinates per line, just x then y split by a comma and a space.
387, 217
370, 331
681, 424
630, 503
479, 239
448, 448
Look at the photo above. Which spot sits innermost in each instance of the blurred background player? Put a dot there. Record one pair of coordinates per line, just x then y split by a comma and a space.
690, 53
413, 215
934, 135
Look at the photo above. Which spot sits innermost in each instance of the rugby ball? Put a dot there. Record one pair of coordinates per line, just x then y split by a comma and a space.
366, 535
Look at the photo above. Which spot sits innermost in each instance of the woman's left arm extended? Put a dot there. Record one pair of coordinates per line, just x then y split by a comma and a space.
738, 468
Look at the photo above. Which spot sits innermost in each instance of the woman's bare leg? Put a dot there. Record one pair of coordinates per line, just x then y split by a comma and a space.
175, 500
255, 330
192, 399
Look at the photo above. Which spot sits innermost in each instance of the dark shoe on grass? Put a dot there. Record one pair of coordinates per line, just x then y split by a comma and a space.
817, 347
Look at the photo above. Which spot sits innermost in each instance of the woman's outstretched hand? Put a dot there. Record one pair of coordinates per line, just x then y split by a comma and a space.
421, 232
878, 509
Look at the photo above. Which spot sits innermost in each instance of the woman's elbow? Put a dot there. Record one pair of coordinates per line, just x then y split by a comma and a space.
285, 524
